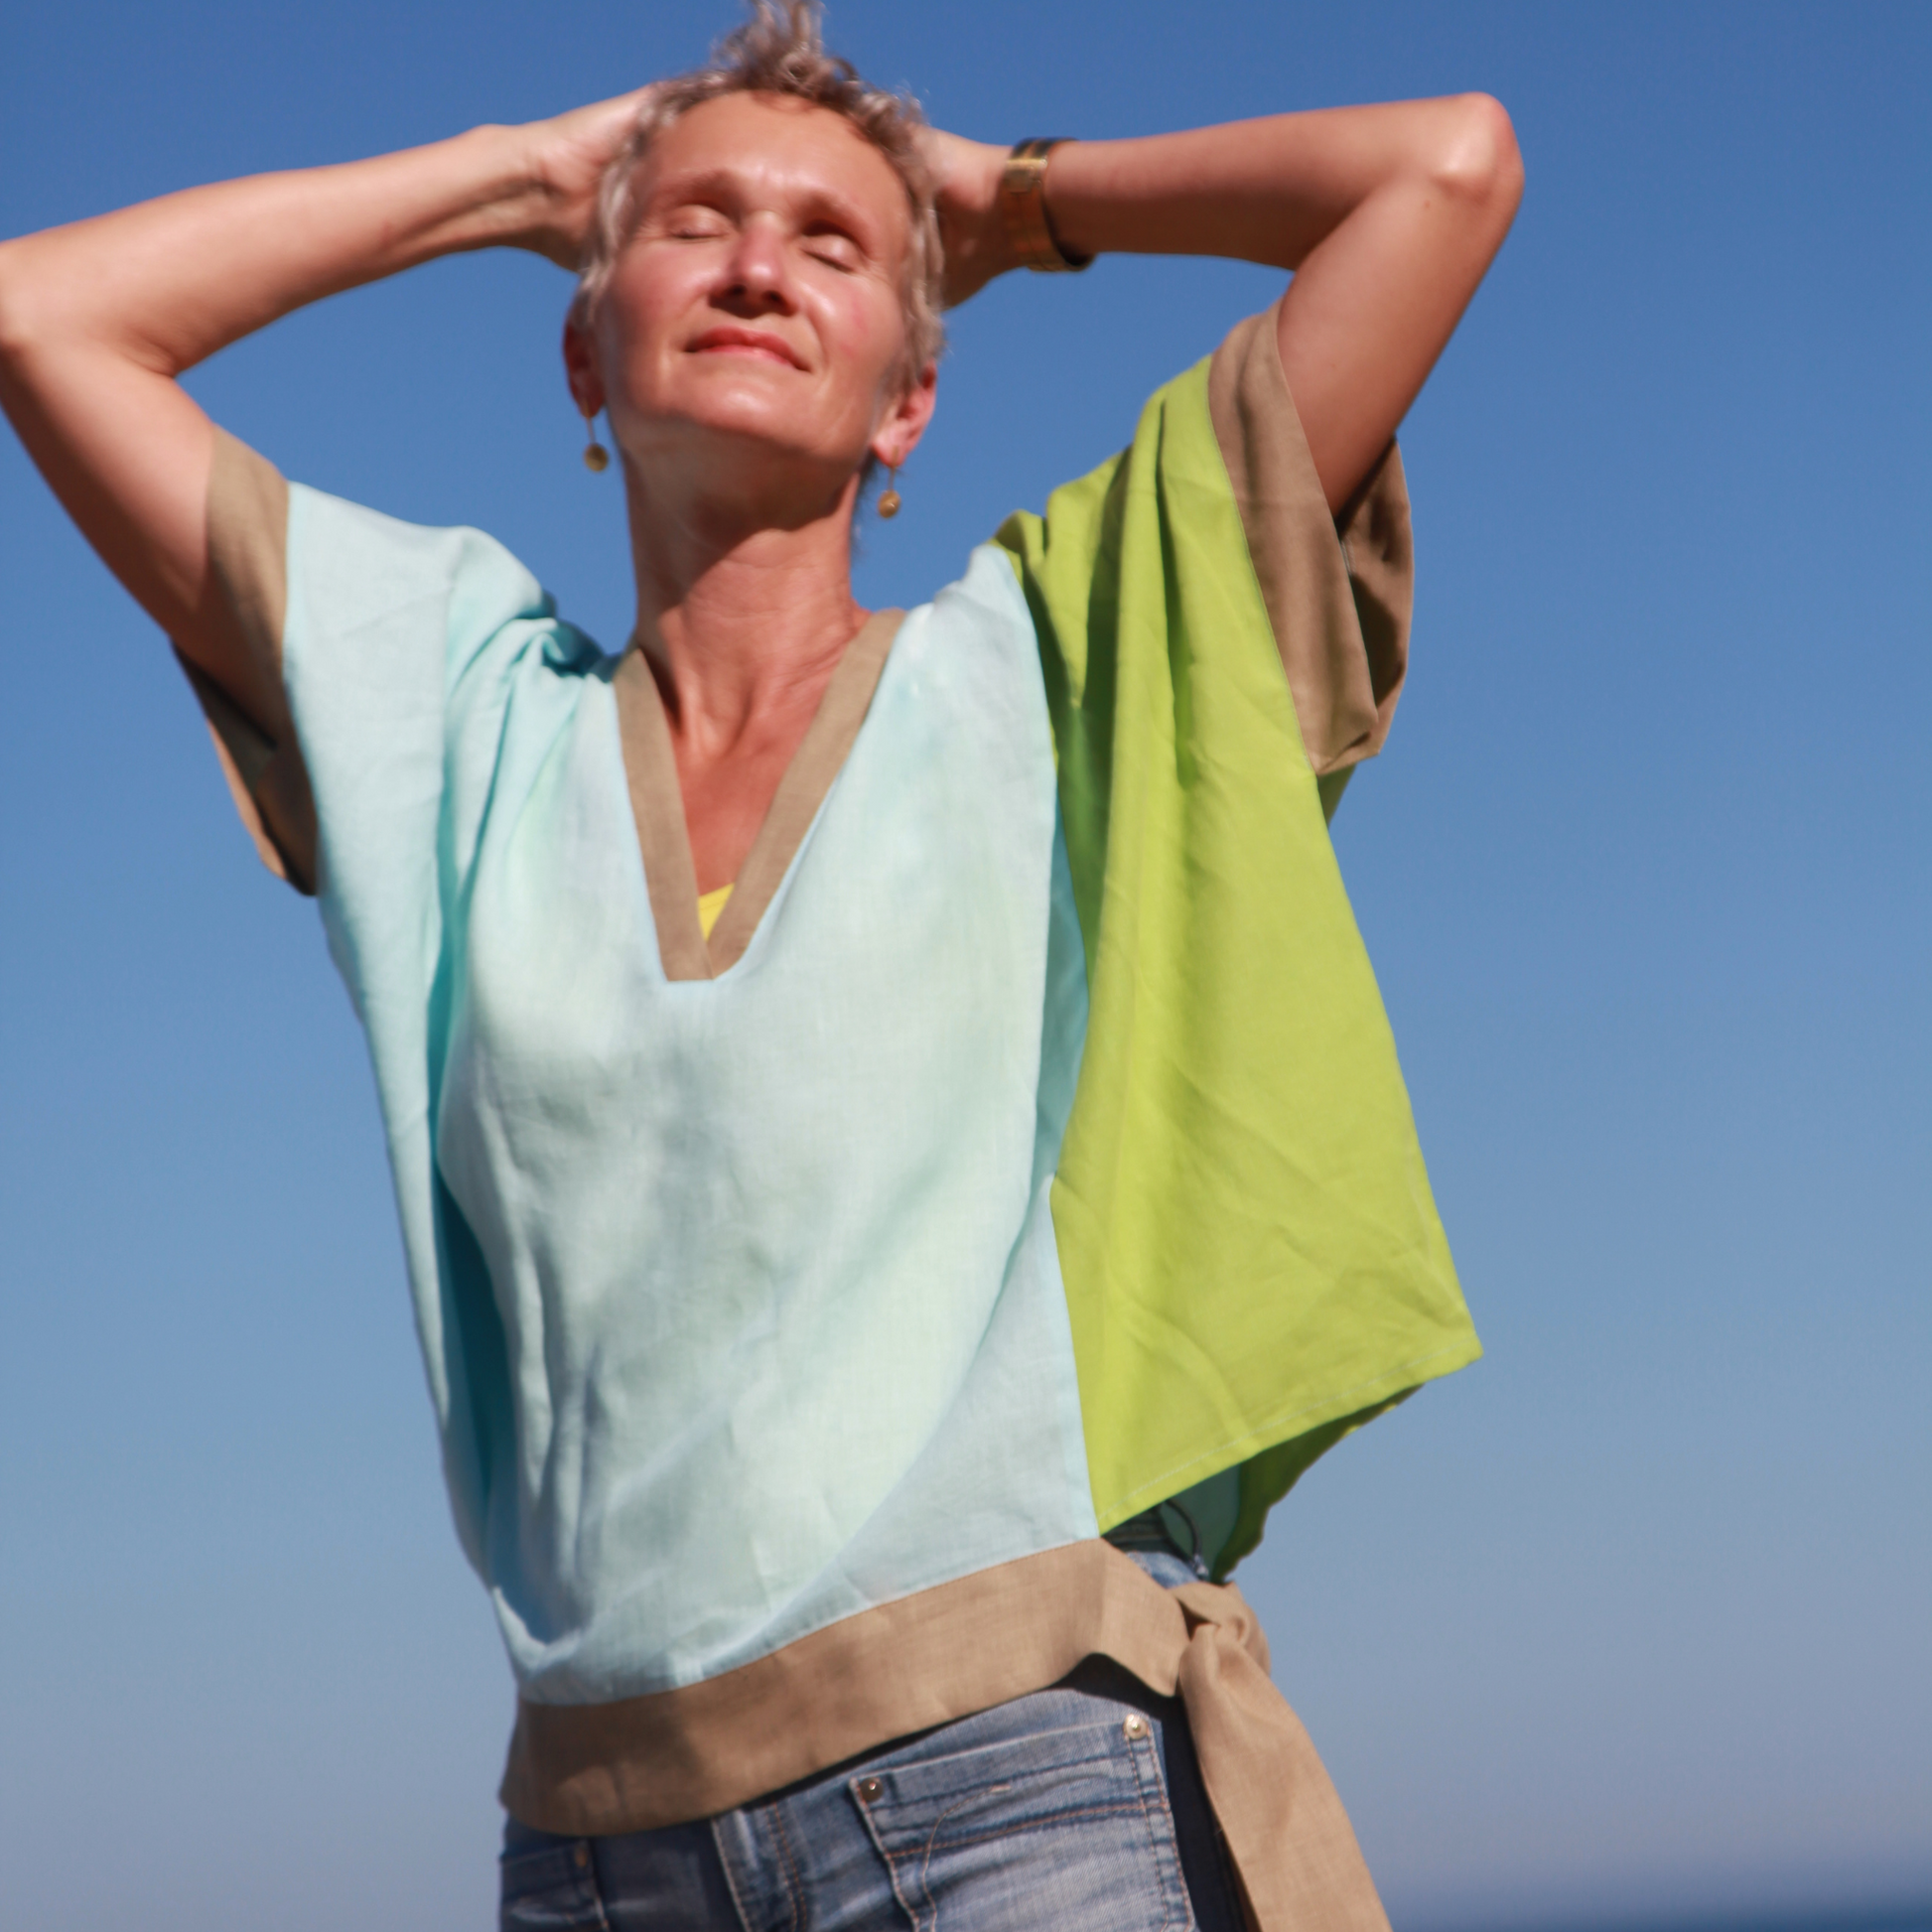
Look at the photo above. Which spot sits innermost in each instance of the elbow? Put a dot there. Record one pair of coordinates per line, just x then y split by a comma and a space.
1478, 163
19, 327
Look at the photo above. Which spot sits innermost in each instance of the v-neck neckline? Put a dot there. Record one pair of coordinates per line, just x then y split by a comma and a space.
657, 803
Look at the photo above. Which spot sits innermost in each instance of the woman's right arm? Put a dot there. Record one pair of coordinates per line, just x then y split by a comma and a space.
98, 319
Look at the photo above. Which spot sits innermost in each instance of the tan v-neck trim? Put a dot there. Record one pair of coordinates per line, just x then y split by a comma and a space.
657, 805
657, 809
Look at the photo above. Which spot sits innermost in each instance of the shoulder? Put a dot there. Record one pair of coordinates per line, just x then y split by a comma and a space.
351, 568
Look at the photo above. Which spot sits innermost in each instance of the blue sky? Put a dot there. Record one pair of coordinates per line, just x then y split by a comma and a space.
1628, 1620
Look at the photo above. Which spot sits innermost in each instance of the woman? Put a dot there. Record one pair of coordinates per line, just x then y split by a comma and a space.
898, 1152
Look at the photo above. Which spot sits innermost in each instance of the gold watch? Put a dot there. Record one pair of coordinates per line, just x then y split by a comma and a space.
1022, 209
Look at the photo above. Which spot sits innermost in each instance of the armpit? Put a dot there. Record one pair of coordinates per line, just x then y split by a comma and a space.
247, 540
1339, 591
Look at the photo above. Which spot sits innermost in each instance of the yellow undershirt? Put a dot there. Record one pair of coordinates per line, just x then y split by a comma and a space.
710, 905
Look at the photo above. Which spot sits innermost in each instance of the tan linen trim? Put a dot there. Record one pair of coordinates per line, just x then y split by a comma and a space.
657, 803
1340, 610
820, 756
588, 1770
247, 554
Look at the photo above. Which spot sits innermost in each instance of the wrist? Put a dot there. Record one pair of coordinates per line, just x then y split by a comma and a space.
514, 200
1033, 237
967, 181
994, 249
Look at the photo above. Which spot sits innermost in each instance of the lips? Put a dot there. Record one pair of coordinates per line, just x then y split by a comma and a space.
745, 342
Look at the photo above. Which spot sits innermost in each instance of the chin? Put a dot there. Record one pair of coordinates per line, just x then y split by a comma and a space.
758, 424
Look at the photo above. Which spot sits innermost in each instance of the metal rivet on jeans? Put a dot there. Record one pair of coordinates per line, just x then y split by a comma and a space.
1135, 1726
869, 1790
582, 1855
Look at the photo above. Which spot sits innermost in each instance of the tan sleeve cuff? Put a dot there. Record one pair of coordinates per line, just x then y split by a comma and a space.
1340, 610
247, 547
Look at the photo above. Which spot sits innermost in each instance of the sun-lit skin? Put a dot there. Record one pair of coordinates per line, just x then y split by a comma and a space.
750, 345
749, 349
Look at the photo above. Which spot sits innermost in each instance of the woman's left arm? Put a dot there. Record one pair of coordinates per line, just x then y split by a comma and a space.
1389, 216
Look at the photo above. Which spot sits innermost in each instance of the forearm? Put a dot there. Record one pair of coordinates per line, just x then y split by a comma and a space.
1264, 190
1389, 216
98, 318
166, 283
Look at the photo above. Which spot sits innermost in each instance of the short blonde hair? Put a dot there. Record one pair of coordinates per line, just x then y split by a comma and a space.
780, 50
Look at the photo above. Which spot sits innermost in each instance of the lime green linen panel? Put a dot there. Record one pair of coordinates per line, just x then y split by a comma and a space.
1252, 1258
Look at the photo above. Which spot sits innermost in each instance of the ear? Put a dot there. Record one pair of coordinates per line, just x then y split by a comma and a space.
905, 421
581, 370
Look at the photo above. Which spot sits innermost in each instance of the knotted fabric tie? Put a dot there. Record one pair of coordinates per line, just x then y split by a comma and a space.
1300, 1865
942, 1654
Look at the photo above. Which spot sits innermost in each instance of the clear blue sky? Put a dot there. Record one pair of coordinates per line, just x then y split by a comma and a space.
1633, 1617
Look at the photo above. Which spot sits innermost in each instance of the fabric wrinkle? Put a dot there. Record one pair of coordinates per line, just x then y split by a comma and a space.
789, 1351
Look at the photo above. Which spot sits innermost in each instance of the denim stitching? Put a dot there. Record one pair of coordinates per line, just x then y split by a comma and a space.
892, 1878
582, 1879
885, 1857
932, 1838
730, 1882
794, 1886
587, 1874
1123, 1808
1171, 1880
1172, 1887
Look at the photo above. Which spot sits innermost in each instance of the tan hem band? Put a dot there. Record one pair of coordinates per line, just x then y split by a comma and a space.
589, 1770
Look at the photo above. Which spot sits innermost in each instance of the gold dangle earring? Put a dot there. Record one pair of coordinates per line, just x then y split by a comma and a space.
889, 501
596, 459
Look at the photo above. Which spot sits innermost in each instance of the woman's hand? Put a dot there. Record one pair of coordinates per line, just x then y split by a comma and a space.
1388, 215
568, 155
966, 184
98, 318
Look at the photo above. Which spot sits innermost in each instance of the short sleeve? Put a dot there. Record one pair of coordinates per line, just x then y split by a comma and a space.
1252, 1259
407, 658
386, 619
1337, 593
402, 646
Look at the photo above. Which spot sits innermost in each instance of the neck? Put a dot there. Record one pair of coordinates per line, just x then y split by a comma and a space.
742, 613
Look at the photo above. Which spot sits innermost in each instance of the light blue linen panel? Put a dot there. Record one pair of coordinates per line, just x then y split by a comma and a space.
740, 1297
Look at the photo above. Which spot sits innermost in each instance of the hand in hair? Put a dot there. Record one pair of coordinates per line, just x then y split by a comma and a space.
966, 189
568, 155
1388, 217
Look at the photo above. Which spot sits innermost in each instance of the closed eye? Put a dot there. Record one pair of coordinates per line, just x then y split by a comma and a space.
835, 247
696, 225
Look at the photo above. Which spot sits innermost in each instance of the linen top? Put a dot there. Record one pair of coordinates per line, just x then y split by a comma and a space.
1024, 1146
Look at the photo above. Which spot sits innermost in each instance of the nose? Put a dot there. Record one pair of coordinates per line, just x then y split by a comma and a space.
758, 273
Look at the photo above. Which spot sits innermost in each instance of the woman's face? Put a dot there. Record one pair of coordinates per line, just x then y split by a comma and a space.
755, 315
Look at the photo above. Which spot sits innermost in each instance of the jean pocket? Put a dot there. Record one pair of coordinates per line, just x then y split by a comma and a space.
1067, 1828
550, 1890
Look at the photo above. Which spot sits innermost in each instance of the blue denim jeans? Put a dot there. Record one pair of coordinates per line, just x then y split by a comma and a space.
1077, 1809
